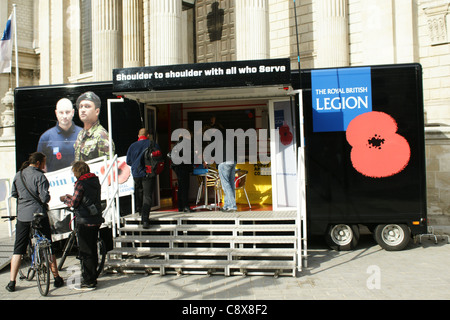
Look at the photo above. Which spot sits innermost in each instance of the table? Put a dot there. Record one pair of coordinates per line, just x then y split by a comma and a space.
209, 174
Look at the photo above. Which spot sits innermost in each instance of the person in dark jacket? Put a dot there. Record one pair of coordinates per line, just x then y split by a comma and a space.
144, 184
182, 164
134, 154
36, 182
86, 202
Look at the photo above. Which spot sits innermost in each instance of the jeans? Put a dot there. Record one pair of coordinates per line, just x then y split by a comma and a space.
87, 246
227, 172
138, 194
148, 184
183, 174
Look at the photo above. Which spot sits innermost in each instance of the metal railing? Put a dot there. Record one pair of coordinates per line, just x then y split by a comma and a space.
5, 195
112, 198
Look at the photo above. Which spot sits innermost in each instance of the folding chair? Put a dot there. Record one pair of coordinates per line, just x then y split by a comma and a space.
212, 180
240, 180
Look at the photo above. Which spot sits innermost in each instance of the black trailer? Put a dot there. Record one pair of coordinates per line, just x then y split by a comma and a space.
365, 153
346, 184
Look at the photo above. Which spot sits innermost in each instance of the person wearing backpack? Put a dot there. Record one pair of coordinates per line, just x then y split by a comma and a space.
134, 154
153, 162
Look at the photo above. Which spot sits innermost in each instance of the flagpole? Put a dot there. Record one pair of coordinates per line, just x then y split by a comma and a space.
15, 45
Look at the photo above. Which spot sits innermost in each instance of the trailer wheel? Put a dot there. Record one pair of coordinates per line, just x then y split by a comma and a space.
392, 237
342, 237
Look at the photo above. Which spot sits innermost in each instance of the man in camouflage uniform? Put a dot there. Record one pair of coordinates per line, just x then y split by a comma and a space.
93, 140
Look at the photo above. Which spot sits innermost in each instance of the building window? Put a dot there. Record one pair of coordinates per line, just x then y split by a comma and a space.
188, 32
437, 20
86, 36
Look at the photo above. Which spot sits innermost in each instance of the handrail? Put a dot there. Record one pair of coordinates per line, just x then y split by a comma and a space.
8, 210
115, 216
108, 169
8, 205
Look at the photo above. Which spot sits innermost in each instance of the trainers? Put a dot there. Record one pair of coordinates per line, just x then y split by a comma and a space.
146, 225
11, 287
59, 282
85, 286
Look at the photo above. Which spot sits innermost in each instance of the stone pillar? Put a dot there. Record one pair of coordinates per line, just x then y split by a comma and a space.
252, 36
406, 42
377, 32
106, 38
133, 39
332, 41
44, 31
165, 32
437, 151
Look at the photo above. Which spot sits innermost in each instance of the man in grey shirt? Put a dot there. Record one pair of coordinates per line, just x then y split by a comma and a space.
31, 173
38, 184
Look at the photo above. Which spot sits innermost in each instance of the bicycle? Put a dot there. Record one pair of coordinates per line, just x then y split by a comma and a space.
101, 250
37, 258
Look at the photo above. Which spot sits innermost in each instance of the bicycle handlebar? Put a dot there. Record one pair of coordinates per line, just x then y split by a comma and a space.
11, 218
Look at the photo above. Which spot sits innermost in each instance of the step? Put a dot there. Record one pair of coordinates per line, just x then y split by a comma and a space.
6, 252
206, 242
206, 239
216, 216
238, 252
211, 227
199, 264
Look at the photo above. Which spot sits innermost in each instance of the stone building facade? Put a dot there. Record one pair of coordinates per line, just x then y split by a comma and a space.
69, 41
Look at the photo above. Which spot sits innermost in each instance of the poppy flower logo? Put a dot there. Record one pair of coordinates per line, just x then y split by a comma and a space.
123, 170
286, 135
378, 151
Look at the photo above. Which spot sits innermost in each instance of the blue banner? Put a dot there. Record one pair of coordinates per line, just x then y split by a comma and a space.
339, 96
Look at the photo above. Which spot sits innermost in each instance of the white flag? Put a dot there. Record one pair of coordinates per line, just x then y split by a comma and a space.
6, 47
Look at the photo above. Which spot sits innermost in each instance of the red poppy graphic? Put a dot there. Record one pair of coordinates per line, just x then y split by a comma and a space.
378, 151
123, 171
286, 135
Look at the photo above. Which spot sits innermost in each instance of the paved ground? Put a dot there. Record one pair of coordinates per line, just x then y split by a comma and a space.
368, 273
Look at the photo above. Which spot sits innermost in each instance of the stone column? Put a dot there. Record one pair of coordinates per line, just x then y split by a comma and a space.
165, 32
332, 40
106, 38
133, 38
44, 32
252, 36
377, 31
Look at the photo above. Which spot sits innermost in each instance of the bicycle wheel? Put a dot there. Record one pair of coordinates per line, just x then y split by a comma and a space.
43, 270
101, 252
67, 248
26, 271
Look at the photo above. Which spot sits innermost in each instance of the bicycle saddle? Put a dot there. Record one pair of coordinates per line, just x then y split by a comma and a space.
36, 223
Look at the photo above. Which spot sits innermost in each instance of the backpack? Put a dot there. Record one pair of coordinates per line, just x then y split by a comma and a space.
154, 161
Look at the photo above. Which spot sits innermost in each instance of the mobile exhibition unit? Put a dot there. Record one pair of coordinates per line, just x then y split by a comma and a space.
362, 161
